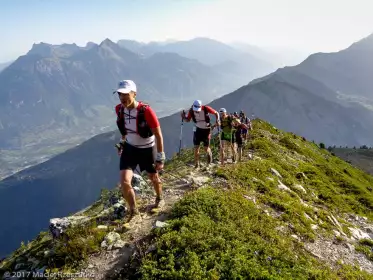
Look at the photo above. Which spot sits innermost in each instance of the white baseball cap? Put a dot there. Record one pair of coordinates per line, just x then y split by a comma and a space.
222, 110
126, 86
197, 105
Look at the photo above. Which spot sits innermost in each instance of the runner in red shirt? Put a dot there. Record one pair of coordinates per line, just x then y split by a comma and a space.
139, 127
199, 114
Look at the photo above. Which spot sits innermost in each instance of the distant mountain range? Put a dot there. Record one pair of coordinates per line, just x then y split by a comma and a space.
224, 58
361, 158
63, 92
326, 98
64, 88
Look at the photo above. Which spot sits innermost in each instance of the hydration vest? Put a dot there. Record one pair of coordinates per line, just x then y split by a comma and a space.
142, 126
204, 109
228, 120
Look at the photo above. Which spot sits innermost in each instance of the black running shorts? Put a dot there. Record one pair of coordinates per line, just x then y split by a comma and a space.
202, 135
238, 139
132, 156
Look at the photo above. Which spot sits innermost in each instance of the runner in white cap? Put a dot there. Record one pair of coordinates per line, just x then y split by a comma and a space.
199, 114
139, 127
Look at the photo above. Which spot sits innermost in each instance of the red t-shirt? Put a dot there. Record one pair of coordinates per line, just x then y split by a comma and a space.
130, 120
200, 116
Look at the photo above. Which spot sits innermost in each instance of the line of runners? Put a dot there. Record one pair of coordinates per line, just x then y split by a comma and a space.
232, 129
142, 140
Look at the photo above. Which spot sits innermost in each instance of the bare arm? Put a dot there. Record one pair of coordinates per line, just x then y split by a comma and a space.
155, 127
159, 138
217, 117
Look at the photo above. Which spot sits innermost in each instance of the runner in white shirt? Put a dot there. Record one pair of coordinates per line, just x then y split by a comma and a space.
139, 126
199, 114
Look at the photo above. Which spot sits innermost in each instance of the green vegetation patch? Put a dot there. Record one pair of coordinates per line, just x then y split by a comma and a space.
366, 247
219, 234
330, 182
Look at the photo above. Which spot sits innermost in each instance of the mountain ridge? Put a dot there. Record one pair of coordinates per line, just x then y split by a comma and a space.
330, 203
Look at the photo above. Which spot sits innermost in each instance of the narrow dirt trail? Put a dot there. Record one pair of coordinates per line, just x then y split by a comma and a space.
108, 264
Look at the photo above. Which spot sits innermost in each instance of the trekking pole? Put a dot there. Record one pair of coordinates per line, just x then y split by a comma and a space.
178, 176
181, 131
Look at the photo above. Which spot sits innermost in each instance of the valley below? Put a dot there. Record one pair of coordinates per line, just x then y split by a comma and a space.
44, 146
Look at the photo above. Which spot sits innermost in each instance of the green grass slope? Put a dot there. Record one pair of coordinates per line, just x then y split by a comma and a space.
256, 219
223, 234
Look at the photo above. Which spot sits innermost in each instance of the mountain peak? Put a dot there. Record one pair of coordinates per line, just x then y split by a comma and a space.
107, 42
43, 49
46, 50
108, 48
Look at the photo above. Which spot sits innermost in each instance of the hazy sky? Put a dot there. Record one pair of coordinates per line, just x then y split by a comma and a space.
308, 26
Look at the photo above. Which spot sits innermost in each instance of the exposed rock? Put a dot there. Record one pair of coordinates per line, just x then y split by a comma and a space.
350, 247
102, 227
299, 187
281, 186
368, 229
275, 172
250, 198
307, 217
104, 244
336, 233
48, 253
281, 228
159, 224
199, 180
359, 234
112, 200
337, 224
331, 253
314, 227
119, 211
139, 183
112, 241
306, 205
58, 226
119, 244
295, 237
111, 237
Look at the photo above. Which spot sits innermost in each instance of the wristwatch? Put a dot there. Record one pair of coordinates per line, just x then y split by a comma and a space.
161, 157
